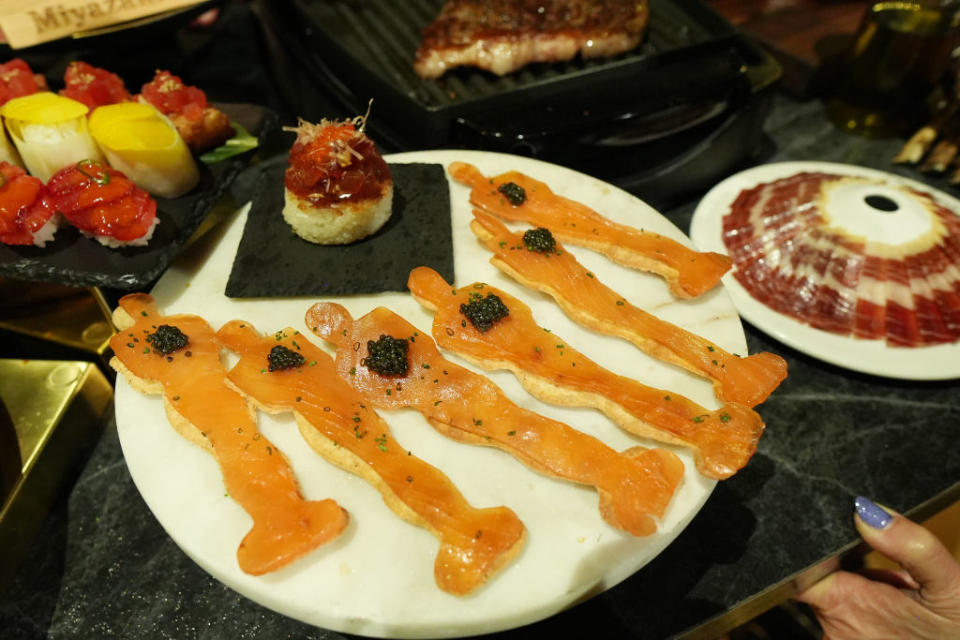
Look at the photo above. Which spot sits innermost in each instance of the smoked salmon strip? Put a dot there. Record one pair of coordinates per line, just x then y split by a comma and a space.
689, 273
179, 357
635, 486
722, 441
747, 381
336, 422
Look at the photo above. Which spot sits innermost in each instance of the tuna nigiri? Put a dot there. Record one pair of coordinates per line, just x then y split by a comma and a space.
383, 357
179, 358
18, 79
548, 367
104, 204
200, 124
747, 381
50, 132
26, 214
93, 86
283, 373
518, 197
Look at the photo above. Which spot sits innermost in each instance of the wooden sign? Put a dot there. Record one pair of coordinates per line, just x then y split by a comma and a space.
25, 23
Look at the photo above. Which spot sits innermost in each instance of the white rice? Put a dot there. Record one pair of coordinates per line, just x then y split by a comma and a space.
44, 234
339, 224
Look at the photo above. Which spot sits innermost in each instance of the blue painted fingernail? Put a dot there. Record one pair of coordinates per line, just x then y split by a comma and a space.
871, 514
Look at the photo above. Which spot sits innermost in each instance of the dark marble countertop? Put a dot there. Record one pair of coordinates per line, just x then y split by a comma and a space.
102, 567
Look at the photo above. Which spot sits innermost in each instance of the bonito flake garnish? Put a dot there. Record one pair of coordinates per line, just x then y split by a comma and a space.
334, 139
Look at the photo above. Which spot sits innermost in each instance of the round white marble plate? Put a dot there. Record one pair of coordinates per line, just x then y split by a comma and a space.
939, 362
377, 579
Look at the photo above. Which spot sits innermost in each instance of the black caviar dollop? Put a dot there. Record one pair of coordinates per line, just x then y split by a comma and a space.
484, 312
281, 358
513, 192
167, 339
539, 240
387, 356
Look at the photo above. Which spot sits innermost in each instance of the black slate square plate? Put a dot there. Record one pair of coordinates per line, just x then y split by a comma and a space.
72, 259
272, 261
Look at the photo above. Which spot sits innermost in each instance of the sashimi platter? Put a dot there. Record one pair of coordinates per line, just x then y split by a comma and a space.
474, 450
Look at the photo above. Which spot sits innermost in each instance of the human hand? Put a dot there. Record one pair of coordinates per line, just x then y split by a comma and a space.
920, 600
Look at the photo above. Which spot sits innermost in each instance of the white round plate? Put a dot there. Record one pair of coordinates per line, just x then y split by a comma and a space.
939, 362
377, 579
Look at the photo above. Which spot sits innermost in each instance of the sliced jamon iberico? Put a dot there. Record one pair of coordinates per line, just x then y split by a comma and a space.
863, 257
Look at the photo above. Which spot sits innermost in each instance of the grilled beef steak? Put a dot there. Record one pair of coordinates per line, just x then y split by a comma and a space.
503, 35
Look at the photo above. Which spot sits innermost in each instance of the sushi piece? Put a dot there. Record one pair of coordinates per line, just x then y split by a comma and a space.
50, 132
8, 153
201, 125
18, 79
93, 86
27, 215
139, 141
338, 189
104, 204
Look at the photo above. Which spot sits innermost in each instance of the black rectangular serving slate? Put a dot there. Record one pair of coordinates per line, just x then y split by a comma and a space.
74, 260
272, 261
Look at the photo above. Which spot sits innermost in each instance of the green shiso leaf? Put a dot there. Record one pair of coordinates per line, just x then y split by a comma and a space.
241, 142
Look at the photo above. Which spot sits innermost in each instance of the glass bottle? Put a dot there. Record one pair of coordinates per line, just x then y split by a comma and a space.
897, 56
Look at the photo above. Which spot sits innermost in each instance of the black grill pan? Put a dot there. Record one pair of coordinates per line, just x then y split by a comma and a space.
382, 36
604, 116
370, 45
